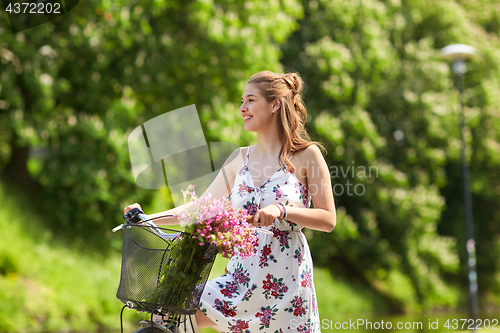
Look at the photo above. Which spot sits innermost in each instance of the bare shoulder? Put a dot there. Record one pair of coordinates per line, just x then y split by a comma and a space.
307, 159
309, 156
312, 153
236, 160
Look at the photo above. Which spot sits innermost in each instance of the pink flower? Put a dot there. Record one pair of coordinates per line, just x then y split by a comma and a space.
217, 222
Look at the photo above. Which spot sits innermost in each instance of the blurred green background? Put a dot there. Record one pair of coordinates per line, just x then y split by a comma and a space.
378, 96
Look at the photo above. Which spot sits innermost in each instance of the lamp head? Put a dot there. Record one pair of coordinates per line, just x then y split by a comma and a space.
457, 51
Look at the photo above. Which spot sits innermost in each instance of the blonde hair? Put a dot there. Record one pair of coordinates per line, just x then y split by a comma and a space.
292, 115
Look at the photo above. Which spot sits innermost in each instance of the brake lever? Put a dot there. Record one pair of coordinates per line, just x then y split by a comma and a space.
134, 216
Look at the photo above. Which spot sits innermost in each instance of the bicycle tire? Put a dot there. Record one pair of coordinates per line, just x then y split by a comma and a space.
150, 330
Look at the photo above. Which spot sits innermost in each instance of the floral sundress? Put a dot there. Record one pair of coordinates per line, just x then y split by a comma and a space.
273, 291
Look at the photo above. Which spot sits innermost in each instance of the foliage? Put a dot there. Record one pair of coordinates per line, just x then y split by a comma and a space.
77, 87
378, 96
384, 103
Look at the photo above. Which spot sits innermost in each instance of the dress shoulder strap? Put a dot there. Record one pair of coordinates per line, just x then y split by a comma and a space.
248, 154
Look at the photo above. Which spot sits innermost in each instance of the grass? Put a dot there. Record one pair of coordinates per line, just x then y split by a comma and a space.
48, 285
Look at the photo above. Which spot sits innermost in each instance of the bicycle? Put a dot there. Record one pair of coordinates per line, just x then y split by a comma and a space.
148, 251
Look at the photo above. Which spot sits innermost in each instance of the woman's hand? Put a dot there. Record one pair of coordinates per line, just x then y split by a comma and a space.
135, 205
266, 216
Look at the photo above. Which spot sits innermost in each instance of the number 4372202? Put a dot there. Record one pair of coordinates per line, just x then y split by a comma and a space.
34, 8
471, 324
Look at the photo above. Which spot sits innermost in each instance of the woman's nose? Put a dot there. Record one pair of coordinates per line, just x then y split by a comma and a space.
243, 107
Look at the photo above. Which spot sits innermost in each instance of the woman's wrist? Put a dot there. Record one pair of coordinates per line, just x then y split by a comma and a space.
283, 214
280, 210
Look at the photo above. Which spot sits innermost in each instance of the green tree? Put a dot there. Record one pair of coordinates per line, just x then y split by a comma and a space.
381, 97
78, 85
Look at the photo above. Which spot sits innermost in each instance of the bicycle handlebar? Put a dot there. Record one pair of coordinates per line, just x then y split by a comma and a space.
135, 215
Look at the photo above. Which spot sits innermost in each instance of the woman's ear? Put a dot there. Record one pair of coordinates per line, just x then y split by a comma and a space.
276, 105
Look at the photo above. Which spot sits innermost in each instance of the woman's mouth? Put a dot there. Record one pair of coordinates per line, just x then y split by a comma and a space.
246, 118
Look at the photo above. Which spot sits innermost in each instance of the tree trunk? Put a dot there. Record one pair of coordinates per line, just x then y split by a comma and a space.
16, 171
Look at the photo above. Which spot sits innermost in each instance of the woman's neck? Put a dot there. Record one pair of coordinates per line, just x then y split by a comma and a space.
268, 144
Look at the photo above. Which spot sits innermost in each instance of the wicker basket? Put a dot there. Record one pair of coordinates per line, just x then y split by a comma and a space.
163, 270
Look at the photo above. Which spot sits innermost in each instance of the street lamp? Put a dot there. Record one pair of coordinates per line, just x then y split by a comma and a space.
458, 53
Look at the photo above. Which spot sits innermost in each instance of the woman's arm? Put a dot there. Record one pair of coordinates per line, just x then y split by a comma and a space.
322, 217
219, 188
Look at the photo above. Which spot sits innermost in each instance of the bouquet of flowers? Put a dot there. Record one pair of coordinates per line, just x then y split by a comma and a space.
215, 221
209, 223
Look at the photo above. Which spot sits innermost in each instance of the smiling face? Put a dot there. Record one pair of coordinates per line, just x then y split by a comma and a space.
258, 114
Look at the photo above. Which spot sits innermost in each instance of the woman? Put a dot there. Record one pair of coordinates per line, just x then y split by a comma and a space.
274, 290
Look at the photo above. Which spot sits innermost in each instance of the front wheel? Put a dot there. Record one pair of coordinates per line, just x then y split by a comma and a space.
152, 327
150, 330
188, 325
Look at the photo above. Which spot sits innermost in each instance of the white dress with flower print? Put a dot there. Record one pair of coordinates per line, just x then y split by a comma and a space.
271, 292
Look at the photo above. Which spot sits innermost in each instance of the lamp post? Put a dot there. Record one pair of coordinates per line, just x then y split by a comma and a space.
458, 53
